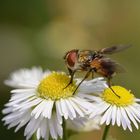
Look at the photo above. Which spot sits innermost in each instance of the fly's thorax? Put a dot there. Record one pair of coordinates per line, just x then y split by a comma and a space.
85, 56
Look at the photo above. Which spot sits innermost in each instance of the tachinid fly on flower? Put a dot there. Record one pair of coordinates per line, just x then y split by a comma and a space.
94, 61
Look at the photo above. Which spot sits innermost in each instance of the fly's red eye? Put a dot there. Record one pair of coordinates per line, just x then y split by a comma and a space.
71, 58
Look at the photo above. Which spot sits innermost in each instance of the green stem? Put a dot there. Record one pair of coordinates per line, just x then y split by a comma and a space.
34, 137
50, 138
64, 130
105, 132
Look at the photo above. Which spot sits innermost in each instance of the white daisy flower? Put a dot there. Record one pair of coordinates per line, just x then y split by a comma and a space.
84, 124
40, 101
122, 110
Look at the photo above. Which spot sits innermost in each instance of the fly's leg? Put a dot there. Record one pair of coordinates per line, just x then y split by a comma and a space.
71, 79
92, 74
86, 76
109, 84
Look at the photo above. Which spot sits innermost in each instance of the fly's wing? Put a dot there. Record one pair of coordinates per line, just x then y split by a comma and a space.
112, 65
114, 49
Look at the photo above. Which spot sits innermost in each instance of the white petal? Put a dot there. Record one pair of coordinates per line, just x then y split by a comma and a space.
64, 109
58, 106
30, 104
70, 107
77, 109
37, 111
82, 103
106, 116
23, 91
32, 127
137, 100
52, 127
38, 134
99, 109
25, 78
58, 112
89, 97
109, 116
134, 115
114, 114
124, 115
118, 116
47, 110
13, 116
135, 111
13, 123
132, 118
7, 110
94, 85
21, 98
23, 121
68, 110
43, 127
59, 128
16, 103
123, 121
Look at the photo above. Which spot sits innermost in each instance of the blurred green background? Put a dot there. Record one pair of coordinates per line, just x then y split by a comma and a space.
39, 32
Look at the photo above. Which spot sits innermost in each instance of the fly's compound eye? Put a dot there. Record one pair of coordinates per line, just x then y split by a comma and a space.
71, 58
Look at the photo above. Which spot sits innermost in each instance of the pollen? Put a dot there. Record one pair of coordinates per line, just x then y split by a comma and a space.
124, 98
53, 86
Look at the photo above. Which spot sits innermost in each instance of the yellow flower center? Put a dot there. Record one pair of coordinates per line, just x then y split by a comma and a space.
53, 86
125, 97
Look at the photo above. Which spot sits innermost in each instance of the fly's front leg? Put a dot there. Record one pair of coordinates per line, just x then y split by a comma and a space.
72, 75
86, 76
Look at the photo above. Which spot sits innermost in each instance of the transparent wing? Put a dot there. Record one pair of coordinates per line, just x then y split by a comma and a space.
114, 49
